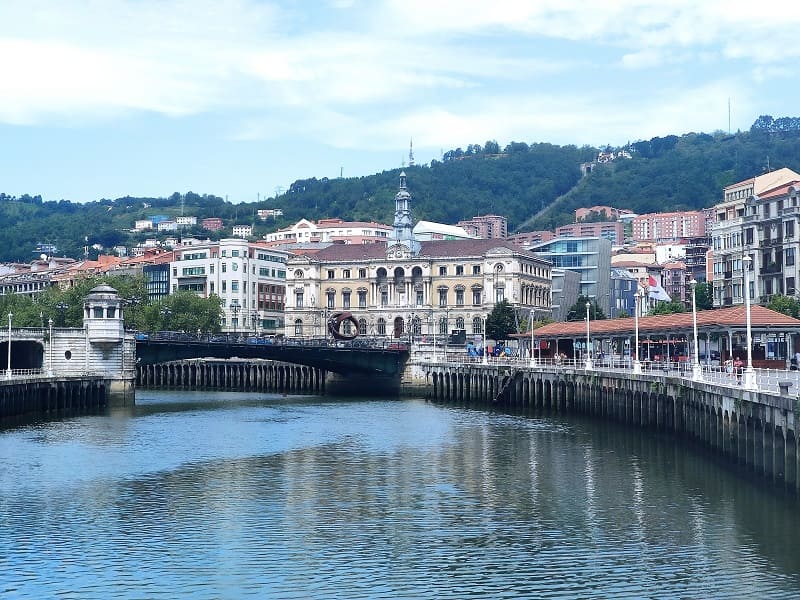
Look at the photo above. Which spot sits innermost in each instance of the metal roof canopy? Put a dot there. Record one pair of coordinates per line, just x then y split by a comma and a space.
719, 321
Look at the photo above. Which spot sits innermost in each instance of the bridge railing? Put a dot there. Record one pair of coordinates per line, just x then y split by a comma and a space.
767, 380
249, 338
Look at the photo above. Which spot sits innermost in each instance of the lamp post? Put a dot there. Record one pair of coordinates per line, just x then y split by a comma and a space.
50, 349
749, 380
533, 351
434, 324
62, 308
589, 362
235, 308
637, 300
485, 360
697, 371
8, 369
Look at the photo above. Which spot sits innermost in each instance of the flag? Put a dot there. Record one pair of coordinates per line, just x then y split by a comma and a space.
656, 292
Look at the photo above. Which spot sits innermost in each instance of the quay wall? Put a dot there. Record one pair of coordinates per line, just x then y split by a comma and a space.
754, 430
232, 375
42, 397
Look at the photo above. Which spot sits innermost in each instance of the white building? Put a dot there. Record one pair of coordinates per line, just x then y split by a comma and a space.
428, 231
186, 221
248, 276
143, 224
329, 231
242, 231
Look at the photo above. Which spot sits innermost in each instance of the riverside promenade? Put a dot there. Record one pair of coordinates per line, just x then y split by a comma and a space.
755, 429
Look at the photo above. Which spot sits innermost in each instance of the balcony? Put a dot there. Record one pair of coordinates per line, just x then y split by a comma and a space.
772, 268
727, 301
727, 275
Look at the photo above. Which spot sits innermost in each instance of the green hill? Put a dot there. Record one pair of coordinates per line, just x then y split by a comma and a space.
536, 186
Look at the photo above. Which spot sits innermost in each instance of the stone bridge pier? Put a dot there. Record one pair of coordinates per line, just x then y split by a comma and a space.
754, 430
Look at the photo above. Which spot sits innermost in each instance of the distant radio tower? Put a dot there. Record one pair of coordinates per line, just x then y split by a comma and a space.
411, 153
729, 116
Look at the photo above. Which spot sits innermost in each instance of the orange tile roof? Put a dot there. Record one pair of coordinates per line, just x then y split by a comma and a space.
714, 320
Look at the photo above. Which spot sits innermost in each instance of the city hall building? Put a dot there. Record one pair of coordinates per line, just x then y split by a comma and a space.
408, 287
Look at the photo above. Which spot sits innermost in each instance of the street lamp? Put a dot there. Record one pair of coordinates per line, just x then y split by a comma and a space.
697, 371
165, 313
235, 308
749, 381
8, 370
533, 351
638, 297
589, 362
50, 349
433, 327
485, 360
62, 308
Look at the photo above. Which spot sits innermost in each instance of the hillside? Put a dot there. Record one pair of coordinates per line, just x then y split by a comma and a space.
536, 186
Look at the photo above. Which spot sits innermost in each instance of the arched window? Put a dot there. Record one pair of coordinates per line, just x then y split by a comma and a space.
381, 326
477, 325
417, 326
298, 327
443, 325
459, 322
362, 327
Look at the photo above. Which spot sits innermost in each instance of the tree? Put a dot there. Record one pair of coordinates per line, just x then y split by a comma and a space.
704, 295
667, 308
786, 305
501, 322
577, 312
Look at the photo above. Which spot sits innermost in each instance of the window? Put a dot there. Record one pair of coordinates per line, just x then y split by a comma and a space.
299, 296
748, 236
442, 270
788, 229
443, 326
499, 294
331, 274
459, 269
419, 298
345, 299
459, 322
346, 274
234, 286
224, 268
460, 298
443, 297
476, 297
381, 326
476, 269
362, 326
790, 285
211, 268
384, 298
298, 327
362, 299
224, 285
477, 325
330, 299
789, 256
362, 273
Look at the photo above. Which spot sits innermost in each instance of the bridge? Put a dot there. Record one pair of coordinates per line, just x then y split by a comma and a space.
365, 357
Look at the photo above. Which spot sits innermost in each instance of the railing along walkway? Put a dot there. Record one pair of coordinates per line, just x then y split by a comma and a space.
767, 380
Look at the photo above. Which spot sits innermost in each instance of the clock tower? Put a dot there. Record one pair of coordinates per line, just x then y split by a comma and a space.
403, 244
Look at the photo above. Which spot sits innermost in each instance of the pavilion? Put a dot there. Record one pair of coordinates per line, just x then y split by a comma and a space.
776, 336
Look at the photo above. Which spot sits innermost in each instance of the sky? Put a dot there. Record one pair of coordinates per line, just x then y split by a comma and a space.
239, 98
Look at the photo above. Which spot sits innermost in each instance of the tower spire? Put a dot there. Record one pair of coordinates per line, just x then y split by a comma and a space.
411, 153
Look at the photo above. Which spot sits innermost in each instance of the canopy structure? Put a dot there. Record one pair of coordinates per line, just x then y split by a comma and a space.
775, 334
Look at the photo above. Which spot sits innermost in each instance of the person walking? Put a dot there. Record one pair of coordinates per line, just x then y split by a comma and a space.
738, 366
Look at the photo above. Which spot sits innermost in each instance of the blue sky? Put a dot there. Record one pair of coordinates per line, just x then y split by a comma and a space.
239, 98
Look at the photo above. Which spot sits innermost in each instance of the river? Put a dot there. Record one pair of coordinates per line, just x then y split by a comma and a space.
223, 495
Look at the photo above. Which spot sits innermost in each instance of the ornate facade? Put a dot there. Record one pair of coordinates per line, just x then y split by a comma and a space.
408, 287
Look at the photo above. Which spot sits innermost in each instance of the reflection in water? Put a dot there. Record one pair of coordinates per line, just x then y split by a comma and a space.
233, 495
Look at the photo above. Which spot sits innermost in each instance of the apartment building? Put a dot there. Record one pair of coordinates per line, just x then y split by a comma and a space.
669, 226
249, 278
486, 227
